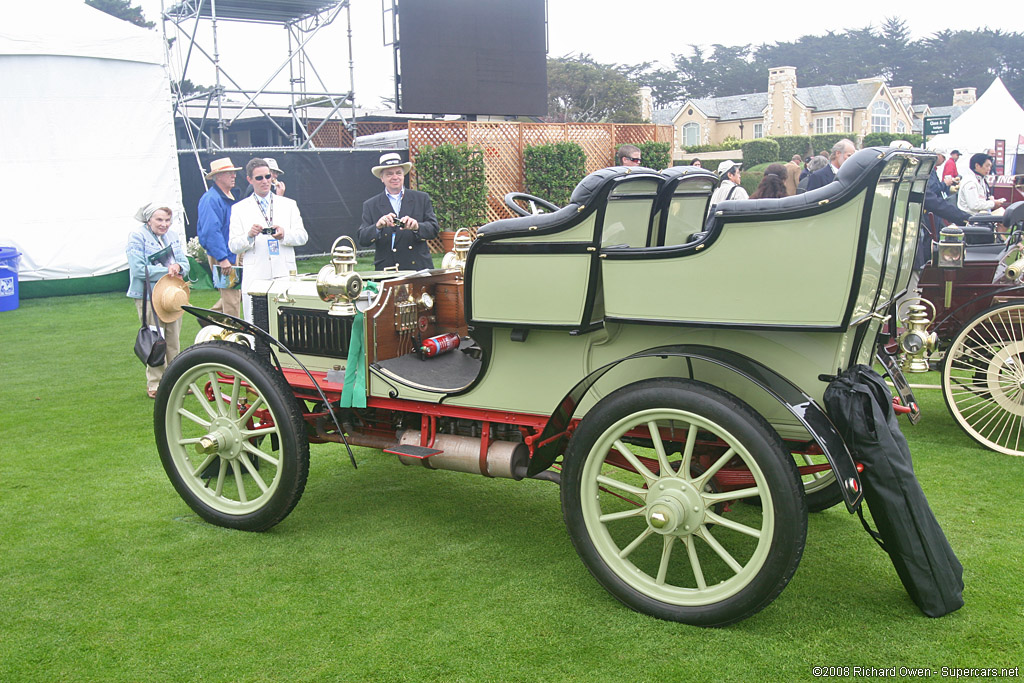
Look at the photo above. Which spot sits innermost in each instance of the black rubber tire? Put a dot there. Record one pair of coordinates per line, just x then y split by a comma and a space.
823, 498
781, 537
288, 446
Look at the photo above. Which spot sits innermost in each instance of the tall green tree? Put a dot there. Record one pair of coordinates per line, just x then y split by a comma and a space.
581, 90
122, 9
932, 66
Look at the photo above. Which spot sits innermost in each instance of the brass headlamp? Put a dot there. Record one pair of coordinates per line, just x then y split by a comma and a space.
916, 342
338, 283
456, 259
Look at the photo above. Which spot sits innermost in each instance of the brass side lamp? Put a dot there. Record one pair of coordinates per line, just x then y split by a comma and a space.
916, 342
456, 259
338, 283
951, 247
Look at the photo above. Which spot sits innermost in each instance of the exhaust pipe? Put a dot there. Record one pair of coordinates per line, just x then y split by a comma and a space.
504, 459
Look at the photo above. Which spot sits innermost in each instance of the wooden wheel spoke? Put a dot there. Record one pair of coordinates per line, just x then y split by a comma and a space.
609, 482
727, 523
640, 468
266, 457
624, 514
705, 534
666, 556
698, 572
624, 553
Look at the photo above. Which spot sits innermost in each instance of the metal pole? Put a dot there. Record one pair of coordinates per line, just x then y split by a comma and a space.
291, 84
394, 38
216, 70
351, 70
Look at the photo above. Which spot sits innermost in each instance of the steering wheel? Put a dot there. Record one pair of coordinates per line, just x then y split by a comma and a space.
512, 200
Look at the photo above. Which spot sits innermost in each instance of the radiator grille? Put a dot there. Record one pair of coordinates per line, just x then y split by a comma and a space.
314, 333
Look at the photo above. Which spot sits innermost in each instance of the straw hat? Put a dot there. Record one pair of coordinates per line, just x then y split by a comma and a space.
221, 166
390, 160
272, 165
169, 295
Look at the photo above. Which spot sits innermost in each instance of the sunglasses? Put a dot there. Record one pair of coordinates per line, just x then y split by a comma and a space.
263, 177
635, 160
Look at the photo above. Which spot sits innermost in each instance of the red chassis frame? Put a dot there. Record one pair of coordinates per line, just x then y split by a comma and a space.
529, 425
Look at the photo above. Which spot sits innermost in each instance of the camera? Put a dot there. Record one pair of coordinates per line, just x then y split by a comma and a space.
267, 231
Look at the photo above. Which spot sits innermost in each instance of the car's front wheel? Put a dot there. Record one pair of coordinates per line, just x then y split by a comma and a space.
230, 436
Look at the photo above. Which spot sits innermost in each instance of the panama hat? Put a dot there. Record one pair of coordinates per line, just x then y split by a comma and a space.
390, 160
221, 166
169, 295
272, 165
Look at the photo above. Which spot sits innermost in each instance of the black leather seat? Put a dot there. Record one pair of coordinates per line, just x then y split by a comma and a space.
582, 196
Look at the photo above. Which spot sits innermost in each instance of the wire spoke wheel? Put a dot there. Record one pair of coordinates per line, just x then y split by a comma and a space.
653, 514
983, 379
230, 437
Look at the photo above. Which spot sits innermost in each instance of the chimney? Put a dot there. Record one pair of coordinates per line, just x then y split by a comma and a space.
964, 97
904, 95
646, 103
778, 115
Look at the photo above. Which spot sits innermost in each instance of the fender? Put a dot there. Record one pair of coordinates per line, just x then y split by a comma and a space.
553, 438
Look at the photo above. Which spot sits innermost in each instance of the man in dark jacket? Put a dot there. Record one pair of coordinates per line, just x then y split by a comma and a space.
841, 151
398, 221
936, 195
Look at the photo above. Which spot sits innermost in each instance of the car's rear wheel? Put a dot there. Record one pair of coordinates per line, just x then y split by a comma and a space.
642, 513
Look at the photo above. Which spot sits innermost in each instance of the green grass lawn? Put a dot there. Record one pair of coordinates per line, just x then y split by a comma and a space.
401, 573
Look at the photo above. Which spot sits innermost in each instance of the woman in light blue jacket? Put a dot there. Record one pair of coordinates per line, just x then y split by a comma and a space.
155, 245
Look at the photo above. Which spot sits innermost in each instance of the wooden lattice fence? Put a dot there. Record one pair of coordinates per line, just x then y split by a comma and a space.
503, 144
334, 133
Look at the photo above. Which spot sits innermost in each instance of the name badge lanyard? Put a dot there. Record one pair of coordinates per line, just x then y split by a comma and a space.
269, 218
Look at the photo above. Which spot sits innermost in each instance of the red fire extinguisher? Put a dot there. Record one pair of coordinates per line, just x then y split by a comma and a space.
435, 346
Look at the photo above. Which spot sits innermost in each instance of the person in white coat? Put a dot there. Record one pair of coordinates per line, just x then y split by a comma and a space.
265, 229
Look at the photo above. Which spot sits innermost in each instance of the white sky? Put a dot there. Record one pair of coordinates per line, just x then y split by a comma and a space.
623, 31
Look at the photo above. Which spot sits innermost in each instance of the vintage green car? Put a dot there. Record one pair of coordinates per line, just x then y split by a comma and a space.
663, 361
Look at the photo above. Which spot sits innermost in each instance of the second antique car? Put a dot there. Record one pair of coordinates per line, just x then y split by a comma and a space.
663, 366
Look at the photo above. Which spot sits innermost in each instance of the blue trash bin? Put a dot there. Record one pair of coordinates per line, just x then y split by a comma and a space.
9, 278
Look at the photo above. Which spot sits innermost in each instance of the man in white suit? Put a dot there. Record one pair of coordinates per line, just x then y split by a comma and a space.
265, 228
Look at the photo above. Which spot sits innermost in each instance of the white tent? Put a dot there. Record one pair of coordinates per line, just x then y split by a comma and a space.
87, 136
995, 116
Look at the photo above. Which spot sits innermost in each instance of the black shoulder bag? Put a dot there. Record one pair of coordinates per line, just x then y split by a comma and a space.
150, 346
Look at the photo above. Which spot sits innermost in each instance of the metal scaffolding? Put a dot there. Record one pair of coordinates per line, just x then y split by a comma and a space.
303, 20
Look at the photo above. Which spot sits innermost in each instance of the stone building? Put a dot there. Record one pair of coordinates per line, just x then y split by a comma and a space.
867, 106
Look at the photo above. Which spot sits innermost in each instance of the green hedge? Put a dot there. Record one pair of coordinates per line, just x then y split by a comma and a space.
552, 171
884, 139
760, 151
454, 177
726, 146
825, 141
792, 144
656, 155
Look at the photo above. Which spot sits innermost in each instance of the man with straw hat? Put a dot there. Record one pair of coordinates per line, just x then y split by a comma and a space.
398, 221
214, 222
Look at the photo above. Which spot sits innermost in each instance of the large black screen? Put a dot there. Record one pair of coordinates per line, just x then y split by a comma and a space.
473, 57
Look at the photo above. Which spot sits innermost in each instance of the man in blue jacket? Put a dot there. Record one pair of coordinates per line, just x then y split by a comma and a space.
213, 230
